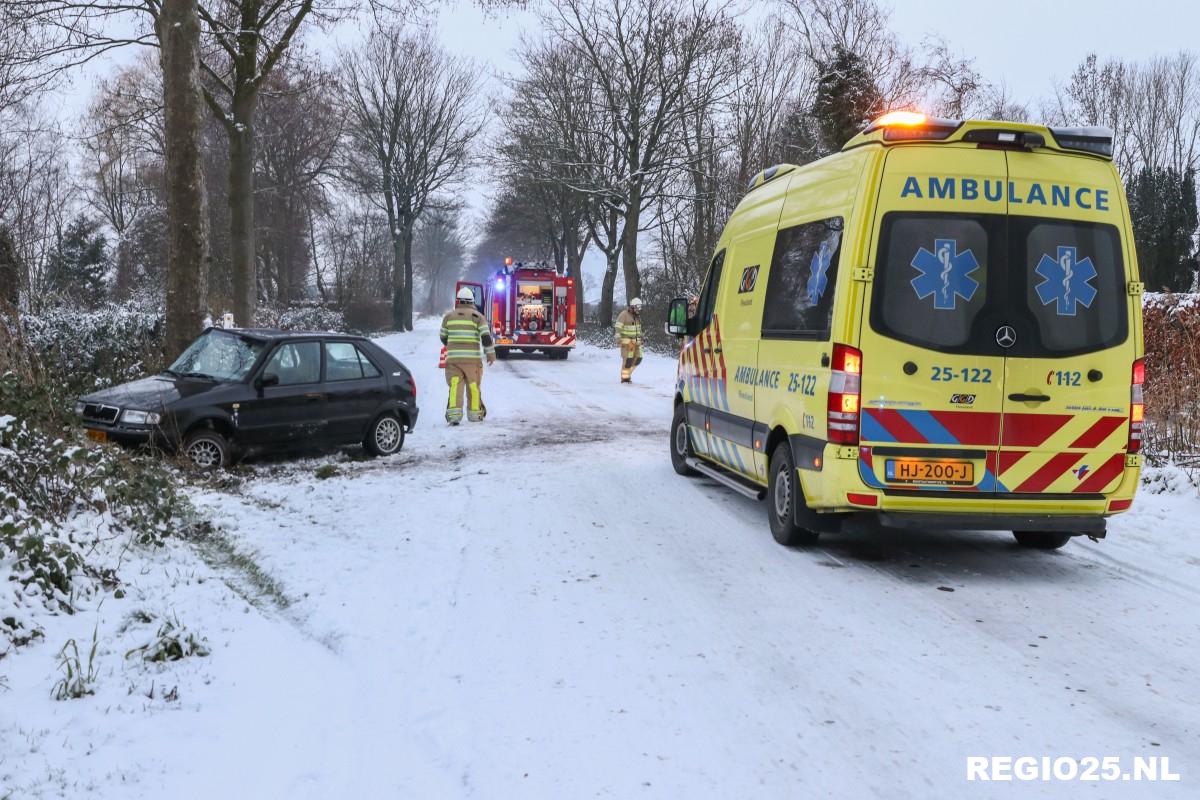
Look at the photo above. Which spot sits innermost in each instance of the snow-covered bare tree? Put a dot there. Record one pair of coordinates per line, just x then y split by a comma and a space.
298, 134
653, 62
412, 114
439, 249
546, 159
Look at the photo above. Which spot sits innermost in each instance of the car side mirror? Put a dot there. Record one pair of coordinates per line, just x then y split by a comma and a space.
677, 317
263, 381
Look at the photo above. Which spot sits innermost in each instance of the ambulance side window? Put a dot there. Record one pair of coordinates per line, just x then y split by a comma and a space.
799, 302
708, 297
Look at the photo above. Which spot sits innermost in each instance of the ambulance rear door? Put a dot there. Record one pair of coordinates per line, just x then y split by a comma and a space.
932, 373
1068, 372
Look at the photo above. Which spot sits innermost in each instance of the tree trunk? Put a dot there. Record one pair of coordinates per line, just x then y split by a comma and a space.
397, 281
431, 303
575, 252
604, 314
187, 199
10, 270
407, 317
241, 213
123, 283
629, 243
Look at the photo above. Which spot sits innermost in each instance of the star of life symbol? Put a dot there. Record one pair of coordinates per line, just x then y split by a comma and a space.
1067, 281
945, 274
818, 278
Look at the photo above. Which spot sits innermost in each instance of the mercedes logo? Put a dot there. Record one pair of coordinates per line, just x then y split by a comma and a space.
1006, 337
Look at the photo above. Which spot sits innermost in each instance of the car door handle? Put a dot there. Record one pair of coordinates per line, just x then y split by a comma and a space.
314, 397
1029, 398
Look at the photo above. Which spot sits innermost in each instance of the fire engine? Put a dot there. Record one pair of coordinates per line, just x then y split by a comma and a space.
530, 306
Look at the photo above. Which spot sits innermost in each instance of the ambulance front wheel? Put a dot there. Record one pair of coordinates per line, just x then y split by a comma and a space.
681, 446
1042, 540
785, 500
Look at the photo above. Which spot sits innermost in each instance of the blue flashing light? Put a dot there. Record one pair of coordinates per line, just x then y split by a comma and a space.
500, 284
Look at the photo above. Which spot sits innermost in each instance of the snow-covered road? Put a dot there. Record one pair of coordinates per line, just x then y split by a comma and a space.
537, 606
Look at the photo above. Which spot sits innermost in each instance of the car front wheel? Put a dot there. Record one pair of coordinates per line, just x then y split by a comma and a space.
681, 446
206, 449
385, 436
1042, 540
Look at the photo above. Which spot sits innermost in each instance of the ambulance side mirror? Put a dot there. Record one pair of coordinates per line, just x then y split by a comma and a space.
677, 317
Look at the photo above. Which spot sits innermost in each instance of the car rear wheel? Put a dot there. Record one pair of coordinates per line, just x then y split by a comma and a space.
207, 449
681, 445
1042, 540
385, 436
785, 500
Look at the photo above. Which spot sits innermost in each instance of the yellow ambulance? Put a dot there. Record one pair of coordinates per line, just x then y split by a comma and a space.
937, 327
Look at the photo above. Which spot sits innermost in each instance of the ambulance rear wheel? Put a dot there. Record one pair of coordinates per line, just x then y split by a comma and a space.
681, 445
1042, 540
785, 500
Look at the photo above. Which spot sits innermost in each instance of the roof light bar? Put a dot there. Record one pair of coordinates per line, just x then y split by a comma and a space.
1093, 139
1003, 138
900, 125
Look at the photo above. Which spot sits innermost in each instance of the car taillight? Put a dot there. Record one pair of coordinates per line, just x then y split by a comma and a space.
1137, 408
413, 380
845, 384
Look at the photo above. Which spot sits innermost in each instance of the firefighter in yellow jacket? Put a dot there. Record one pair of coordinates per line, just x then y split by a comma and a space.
629, 337
464, 333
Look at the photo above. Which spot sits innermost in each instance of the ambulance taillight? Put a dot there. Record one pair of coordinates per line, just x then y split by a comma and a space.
1137, 407
845, 394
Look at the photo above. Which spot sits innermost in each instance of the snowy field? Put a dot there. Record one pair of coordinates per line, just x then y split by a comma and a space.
537, 606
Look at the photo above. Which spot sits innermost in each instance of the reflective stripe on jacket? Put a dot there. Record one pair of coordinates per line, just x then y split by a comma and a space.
628, 326
464, 332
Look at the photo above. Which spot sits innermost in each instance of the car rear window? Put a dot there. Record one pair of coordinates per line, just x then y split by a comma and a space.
1074, 283
931, 278
344, 362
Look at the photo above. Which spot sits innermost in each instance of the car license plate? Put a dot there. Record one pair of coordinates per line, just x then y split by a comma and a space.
97, 436
930, 471
506, 341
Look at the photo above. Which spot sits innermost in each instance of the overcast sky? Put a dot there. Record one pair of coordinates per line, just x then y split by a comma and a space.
1024, 44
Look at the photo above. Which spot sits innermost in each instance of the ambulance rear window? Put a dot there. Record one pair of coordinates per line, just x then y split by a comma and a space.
931, 277
1074, 283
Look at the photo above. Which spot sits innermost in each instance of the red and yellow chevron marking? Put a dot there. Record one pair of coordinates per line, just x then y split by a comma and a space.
1051, 453
1062, 453
703, 368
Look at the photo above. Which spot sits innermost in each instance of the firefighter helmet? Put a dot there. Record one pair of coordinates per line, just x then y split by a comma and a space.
636, 303
465, 295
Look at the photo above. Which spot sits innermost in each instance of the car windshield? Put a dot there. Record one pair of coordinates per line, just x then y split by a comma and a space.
219, 355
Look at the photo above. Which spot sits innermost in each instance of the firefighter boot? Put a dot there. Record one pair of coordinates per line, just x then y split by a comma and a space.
454, 412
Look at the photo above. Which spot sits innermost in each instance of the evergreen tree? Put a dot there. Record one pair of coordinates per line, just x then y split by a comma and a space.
846, 97
80, 262
1162, 205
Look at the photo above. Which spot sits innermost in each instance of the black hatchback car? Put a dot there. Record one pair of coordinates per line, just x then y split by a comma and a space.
239, 391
